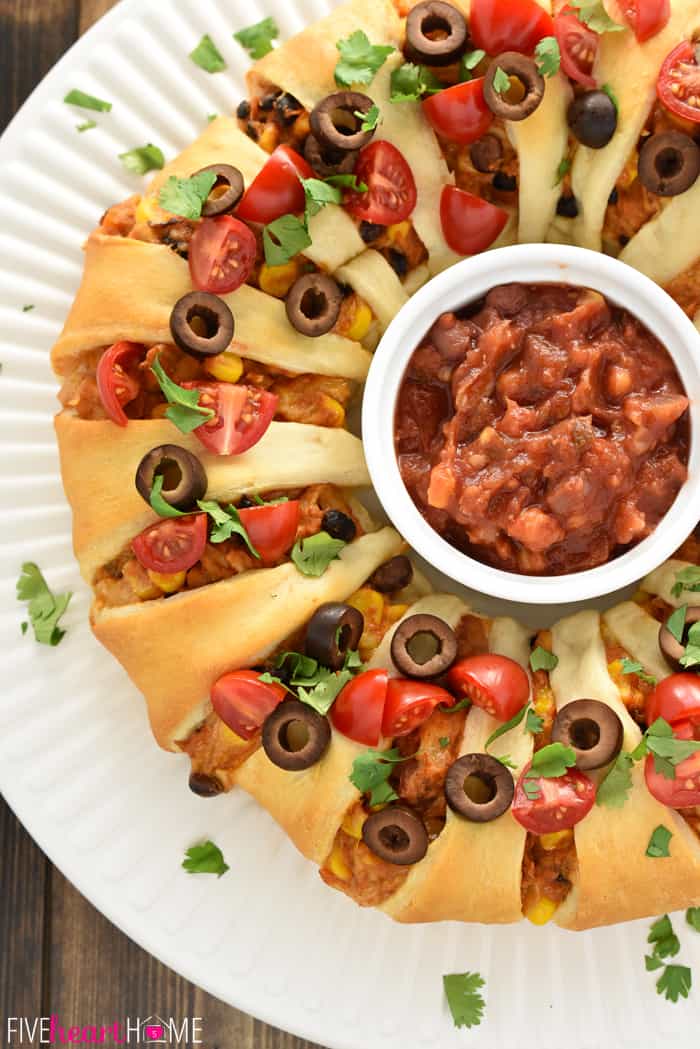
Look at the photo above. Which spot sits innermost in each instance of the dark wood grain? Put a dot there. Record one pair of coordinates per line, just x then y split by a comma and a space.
59, 955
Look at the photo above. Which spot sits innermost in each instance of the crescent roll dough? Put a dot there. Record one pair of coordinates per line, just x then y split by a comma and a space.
99, 462
175, 648
128, 292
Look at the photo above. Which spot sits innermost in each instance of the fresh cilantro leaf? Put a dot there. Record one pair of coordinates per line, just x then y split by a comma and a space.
501, 81
319, 193
675, 982
659, 842
27, 309
186, 196
317, 685
228, 522
611, 95
651, 962
661, 934
347, 182
323, 695
692, 917
548, 56
502, 729
24, 627
464, 704
158, 503
667, 750
88, 125
205, 859
593, 14
469, 62
44, 607
563, 169
370, 119
691, 656
143, 159
613, 790
183, 411
207, 56
533, 722
371, 771
531, 788
409, 83
284, 238
257, 39
84, 101
313, 555
551, 761
675, 623
687, 578
462, 991
541, 659
359, 59
444, 741
631, 666
505, 760
211, 117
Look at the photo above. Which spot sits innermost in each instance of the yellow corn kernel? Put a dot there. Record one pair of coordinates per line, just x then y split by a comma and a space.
556, 838
629, 172
145, 209
541, 912
277, 280
370, 602
354, 821
361, 322
143, 588
333, 411
337, 865
227, 367
398, 232
269, 137
169, 583
229, 737
394, 612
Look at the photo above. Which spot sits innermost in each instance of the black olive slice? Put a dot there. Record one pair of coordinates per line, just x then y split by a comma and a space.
226, 191
479, 787
202, 325
313, 304
334, 630
294, 736
392, 575
669, 163
205, 786
592, 729
335, 124
396, 835
672, 649
184, 478
423, 646
327, 161
486, 154
592, 118
448, 27
339, 525
526, 86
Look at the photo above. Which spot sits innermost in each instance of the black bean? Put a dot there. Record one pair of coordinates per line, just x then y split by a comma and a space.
267, 103
614, 196
567, 207
251, 131
370, 231
505, 183
398, 262
243, 111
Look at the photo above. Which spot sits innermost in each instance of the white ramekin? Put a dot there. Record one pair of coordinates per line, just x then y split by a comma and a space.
465, 283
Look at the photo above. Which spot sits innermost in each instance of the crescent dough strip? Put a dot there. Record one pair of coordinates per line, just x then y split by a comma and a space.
630, 69
661, 581
174, 649
128, 292
638, 633
99, 461
670, 243
371, 276
472, 872
616, 880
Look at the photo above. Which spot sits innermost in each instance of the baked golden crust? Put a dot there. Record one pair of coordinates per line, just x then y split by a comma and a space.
99, 462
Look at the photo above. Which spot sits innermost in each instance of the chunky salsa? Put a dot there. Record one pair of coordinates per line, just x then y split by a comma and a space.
542, 430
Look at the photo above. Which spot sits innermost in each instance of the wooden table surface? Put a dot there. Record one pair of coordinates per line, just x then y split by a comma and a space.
59, 955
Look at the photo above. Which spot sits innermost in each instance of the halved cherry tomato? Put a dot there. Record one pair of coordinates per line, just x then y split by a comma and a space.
508, 25
357, 712
562, 803
646, 17
117, 379
460, 113
409, 704
469, 224
578, 46
678, 86
391, 189
675, 698
271, 529
173, 545
495, 683
222, 255
680, 793
276, 190
243, 414
243, 701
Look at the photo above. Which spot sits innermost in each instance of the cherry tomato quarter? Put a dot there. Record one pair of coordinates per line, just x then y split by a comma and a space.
460, 113
562, 802
277, 189
271, 529
469, 224
678, 86
243, 414
117, 378
391, 189
646, 17
222, 255
358, 710
173, 545
508, 25
578, 46
679, 793
675, 698
243, 701
494, 683
409, 704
